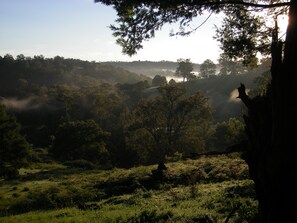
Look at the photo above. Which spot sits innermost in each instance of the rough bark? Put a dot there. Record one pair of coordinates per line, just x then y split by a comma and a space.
271, 127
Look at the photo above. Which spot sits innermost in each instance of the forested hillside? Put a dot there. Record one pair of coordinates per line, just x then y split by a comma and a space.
61, 119
24, 74
133, 121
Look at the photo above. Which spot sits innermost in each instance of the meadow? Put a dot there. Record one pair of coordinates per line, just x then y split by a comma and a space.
206, 189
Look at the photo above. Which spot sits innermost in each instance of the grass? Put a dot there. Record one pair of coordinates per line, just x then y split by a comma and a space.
204, 190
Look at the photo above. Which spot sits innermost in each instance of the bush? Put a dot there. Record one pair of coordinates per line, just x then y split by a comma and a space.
51, 198
83, 164
148, 216
80, 140
9, 172
40, 155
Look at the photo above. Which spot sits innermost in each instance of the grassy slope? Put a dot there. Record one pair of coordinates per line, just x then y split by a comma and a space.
204, 190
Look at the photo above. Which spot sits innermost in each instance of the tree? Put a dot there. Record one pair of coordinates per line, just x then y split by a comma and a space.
271, 119
237, 35
159, 80
171, 117
207, 69
184, 69
230, 66
14, 149
228, 133
77, 140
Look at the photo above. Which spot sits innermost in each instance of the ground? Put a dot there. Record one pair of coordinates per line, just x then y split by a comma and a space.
208, 189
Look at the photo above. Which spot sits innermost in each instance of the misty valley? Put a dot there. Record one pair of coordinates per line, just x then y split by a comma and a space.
125, 142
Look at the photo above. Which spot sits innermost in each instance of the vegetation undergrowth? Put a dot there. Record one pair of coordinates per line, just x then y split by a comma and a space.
208, 189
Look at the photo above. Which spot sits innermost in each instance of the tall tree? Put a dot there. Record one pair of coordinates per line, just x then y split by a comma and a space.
230, 66
207, 68
170, 117
271, 119
184, 69
159, 81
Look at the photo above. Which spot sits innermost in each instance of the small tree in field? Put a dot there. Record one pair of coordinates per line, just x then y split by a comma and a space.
14, 149
170, 118
76, 140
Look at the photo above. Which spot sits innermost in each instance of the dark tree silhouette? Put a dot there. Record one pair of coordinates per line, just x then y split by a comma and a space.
14, 149
159, 81
76, 140
207, 69
271, 119
184, 69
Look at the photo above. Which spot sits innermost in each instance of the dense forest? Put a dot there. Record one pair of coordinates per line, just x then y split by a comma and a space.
108, 116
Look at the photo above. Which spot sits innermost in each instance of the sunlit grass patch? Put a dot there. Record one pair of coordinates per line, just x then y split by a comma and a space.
207, 189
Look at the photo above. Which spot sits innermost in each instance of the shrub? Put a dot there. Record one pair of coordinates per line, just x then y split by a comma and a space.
51, 198
148, 216
80, 140
83, 164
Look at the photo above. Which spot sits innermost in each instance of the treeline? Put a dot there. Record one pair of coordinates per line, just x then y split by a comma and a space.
81, 119
25, 75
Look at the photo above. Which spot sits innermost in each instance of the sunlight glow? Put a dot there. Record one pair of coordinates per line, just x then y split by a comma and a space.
282, 22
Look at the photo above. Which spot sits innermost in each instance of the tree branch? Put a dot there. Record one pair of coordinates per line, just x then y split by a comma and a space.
236, 2
193, 3
243, 96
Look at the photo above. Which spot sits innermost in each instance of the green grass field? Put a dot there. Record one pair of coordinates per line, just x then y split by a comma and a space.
205, 190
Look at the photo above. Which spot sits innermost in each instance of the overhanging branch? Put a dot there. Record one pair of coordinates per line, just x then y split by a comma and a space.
193, 3
236, 2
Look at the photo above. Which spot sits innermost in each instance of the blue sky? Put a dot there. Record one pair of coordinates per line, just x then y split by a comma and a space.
79, 29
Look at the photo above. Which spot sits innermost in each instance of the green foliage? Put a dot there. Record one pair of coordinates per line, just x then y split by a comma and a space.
147, 216
142, 146
170, 119
133, 93
14, 149
238, 35
138, 20
192, 190
40, 155
25, 76
43, 91
242, 33
80, 140
51, 198
84, 164
228, 133
42, 104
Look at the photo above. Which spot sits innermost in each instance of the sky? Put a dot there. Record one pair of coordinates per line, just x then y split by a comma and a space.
79, 29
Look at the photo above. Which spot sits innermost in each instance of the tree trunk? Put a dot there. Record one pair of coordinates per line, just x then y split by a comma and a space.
271, 125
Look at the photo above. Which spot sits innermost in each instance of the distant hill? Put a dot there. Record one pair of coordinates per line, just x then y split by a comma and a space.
221, 90
23, 73
23, 77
